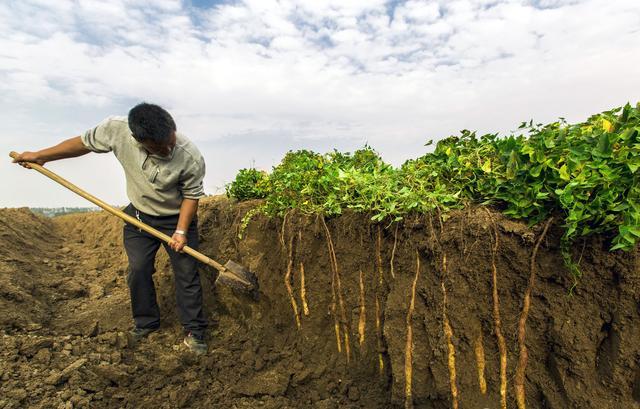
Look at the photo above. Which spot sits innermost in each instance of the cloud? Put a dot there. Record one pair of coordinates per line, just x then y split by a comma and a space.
389, 73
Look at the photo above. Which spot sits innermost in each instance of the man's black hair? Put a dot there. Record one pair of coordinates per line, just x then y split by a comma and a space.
151, 122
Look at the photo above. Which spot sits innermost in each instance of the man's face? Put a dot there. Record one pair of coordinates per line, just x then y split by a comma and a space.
160, 149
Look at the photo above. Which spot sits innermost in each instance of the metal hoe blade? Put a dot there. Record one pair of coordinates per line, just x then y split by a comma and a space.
238, 277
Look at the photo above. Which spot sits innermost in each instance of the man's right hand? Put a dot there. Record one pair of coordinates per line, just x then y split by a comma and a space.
23, 158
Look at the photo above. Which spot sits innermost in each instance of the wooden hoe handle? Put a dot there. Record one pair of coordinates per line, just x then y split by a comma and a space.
117, 212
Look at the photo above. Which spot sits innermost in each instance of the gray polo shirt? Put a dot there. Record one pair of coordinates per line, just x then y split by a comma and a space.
156, 185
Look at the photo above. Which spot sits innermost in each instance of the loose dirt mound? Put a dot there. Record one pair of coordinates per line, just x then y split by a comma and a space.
336, 338
28, 275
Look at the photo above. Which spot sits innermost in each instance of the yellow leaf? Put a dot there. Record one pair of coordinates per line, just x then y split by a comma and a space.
487, 166
606, 125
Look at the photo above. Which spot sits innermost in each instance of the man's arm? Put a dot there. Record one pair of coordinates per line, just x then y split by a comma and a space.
188, 210
69, 148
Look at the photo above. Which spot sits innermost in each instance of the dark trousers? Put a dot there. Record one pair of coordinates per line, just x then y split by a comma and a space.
141, 248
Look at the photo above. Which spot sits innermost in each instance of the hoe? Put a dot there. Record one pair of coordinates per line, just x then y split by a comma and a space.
231, 274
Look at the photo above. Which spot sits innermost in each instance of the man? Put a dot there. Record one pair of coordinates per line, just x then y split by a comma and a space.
164, 173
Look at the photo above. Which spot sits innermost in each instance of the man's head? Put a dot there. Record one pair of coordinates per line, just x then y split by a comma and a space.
153, 127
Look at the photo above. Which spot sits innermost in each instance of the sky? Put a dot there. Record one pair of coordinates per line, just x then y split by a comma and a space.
247, 81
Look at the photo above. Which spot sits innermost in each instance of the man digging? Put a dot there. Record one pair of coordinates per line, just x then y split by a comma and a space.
164, 173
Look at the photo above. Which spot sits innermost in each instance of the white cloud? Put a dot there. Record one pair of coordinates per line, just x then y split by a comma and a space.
352, 71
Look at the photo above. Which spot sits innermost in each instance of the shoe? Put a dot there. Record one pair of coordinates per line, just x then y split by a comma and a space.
137, 333
195, 344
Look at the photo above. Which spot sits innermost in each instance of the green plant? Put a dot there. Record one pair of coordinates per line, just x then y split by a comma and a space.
586, 173
248, 184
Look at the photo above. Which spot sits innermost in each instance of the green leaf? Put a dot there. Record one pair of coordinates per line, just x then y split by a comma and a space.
604, 146
535, 171
564, 174
512, 166
619, 246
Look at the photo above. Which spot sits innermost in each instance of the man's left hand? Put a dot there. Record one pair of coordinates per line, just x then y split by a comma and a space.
178, 241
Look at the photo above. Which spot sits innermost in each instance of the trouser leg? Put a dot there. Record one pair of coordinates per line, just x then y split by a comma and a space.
188, 286
141, 250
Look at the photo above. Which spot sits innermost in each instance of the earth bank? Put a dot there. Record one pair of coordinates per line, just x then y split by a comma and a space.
66, 311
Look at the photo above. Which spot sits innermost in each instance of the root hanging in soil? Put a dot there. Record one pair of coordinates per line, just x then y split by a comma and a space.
334, 298
379, 257
303, 291
480, 360
338, 290
448, 333
408, 350
379, 338
523, 356
379, 290
282, 230
303, 287
287, 283
393, 252
497, 322
362, 322
336, 326
334, 310
345, 329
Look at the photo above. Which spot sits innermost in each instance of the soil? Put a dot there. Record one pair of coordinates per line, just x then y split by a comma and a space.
65, 315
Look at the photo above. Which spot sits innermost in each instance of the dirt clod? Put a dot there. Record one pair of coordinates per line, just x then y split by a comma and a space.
43, 356
31, 346
273, 382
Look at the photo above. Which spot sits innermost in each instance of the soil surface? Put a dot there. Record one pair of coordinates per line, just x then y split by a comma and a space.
350, 334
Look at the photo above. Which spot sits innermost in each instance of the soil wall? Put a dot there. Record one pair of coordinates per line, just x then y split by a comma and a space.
582, 341
338, 338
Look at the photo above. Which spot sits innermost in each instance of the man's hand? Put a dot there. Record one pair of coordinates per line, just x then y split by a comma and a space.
188, 210
178, 241
23, 158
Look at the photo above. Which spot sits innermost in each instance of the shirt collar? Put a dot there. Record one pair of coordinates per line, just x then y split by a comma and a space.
163, 158
153, 155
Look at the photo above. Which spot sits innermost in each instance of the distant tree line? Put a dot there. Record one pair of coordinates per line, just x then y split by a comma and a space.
59, 211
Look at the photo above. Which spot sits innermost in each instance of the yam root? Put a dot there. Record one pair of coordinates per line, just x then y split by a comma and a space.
408, 350
393, 252
362, 322
523, 355
379, 337
303, 287
287, 283
448, 333
337, 288
303, 291
480, 360
497, 322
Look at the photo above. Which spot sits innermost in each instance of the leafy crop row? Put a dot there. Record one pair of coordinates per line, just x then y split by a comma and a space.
586, 172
